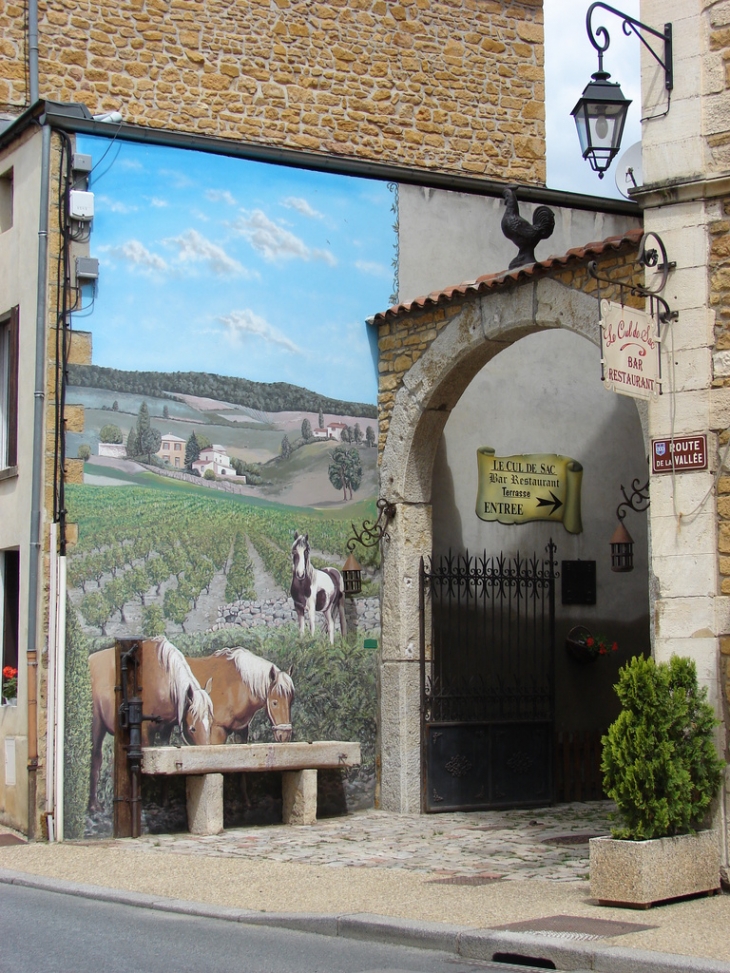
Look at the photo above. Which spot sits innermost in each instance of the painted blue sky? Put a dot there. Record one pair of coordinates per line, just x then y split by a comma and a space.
222, 265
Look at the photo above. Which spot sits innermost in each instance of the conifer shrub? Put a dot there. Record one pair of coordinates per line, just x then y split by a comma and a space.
659, 761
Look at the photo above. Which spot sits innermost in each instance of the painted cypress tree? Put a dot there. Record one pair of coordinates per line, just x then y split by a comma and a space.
192, 450
132, 445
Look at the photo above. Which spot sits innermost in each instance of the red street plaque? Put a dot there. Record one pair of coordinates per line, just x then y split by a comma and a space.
683, 453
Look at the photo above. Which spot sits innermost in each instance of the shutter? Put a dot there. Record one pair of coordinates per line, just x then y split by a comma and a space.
12, 412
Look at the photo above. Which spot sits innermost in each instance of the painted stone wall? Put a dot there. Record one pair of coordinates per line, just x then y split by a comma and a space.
451, 85
221, 441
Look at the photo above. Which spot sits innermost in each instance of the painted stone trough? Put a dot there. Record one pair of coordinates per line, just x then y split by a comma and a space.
204, 766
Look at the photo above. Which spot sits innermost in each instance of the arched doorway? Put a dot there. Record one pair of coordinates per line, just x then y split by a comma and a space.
473, 333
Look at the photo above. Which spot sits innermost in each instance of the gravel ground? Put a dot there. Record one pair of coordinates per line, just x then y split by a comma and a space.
478, 870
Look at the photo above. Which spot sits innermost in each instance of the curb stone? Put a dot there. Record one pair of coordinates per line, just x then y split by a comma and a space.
479, 944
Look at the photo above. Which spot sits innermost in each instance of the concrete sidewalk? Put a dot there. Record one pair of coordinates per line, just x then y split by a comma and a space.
510, 882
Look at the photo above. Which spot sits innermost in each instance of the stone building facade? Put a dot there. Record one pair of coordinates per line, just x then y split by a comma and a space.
452, 90
454, 86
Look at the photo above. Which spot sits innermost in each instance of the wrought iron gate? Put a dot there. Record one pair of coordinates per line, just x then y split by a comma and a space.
487, 684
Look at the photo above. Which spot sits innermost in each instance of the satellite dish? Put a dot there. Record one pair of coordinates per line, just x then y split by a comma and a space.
628, 170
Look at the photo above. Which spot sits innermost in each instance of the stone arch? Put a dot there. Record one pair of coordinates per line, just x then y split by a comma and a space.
435, 383
478, 330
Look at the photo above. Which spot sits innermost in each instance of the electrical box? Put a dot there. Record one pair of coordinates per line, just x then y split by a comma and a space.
81, 205
81, 162
87, 268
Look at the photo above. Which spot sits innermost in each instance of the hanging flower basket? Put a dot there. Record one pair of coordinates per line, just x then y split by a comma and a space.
582, 646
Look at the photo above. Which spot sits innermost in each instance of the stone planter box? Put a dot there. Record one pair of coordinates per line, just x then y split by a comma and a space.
641, 873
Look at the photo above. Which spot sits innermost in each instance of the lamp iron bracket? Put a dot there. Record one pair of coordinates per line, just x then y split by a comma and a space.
649, 256
638, 501
632, 26
372, 532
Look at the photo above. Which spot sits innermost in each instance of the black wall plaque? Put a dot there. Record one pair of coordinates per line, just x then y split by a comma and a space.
578, 582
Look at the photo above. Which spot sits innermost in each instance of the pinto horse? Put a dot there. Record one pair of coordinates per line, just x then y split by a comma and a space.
169, 692
313, 590
243, 683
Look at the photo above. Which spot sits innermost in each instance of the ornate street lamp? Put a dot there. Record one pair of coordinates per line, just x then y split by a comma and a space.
600, 114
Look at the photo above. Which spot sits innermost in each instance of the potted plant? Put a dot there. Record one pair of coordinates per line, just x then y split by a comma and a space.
583, 646
9, 684
661, 768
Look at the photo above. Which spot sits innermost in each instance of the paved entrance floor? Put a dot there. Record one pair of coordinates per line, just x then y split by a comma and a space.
460, 848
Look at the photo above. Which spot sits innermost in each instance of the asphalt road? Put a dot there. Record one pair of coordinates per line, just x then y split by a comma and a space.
48, 932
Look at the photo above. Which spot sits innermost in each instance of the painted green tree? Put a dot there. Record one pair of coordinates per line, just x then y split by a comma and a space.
111, 434
192, 450
345, 470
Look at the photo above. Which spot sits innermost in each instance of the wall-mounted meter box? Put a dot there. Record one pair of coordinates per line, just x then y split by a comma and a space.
81, 205
87, 268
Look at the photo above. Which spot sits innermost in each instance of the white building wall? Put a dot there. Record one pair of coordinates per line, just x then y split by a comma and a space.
685, 180
18, 286
446, 237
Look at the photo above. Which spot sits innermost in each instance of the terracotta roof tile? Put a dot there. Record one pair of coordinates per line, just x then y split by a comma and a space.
492, 282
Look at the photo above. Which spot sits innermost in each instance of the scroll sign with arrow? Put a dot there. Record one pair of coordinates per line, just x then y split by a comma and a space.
532, 486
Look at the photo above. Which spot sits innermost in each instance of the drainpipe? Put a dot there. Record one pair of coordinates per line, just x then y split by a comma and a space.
33, 50
34, 556
55, 712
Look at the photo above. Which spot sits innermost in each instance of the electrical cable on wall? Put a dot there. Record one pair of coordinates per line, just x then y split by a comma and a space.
64, 310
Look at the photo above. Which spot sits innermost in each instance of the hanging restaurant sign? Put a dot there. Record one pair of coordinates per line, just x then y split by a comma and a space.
680, 453
532, 486
630, 361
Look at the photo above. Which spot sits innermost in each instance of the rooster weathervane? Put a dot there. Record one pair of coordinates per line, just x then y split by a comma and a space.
521, 232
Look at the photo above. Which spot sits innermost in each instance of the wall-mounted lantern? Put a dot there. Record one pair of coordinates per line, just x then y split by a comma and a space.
601, 111
622, 543
352, 576
622, 550
370, 534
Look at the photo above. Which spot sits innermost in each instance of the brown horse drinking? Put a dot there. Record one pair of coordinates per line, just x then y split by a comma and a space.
170, 692
242, 683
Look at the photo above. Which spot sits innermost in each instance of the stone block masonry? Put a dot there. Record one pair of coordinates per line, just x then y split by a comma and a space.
719, 281
402, 340
452, 85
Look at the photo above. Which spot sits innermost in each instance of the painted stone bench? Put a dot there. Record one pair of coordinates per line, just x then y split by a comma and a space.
204, 767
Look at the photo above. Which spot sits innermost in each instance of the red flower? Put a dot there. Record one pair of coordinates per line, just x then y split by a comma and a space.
614, 647
590, 641
9, 672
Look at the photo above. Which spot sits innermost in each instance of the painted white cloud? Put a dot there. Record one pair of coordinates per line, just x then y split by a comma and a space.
193, 247
157, 202
220, 196
137, 254
301, 206
178, 179
276, 243
373, 269
242, 324
115, 205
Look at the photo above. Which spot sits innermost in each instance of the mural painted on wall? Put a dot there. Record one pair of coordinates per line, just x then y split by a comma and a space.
229, 442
